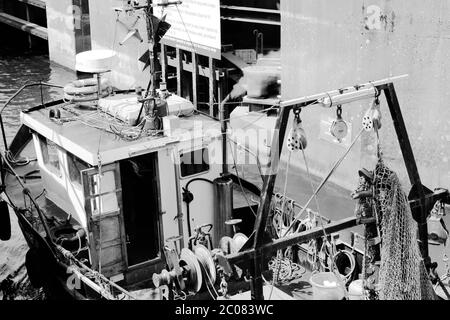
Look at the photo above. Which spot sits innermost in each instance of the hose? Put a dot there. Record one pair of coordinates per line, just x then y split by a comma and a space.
188, 197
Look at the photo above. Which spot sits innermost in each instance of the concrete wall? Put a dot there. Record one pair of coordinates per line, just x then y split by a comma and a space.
107, 32
331, 44
61, 32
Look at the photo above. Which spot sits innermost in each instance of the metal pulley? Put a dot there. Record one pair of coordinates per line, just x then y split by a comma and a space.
226, 244
297, 136
188, 275
239, 239
339, 128
193, 272
230, 245
437, 230
372, 117
206, 261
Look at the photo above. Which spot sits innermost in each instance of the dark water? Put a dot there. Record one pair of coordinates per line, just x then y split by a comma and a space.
18, 67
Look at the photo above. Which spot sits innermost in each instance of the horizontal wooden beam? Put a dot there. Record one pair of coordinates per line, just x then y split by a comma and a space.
290, 240
31, 28
36, 3
202, 71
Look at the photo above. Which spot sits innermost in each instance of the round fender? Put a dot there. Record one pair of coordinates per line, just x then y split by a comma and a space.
84, 97
73, 90
89, 82
70, 237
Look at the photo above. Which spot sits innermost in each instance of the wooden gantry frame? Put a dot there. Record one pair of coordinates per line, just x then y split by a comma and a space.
253, 252
217, 77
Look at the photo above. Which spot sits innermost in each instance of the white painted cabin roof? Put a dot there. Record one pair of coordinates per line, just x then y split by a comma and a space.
86, 142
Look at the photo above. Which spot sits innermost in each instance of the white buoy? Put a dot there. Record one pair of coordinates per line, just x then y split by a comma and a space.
94, 61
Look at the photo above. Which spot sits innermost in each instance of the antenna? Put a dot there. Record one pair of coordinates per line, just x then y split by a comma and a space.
156, 29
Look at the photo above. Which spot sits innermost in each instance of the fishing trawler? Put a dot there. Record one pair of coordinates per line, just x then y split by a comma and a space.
128, 194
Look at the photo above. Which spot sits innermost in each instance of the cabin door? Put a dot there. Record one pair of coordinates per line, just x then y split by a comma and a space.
103, 205
141, 205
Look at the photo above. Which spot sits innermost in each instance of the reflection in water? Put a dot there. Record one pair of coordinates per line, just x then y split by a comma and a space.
16, 69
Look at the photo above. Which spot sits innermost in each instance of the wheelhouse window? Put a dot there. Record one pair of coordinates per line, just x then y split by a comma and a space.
194, 162
50, 155
75, 166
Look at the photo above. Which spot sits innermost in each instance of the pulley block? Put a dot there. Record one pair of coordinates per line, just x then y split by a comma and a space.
372, 117
339, 128
296, 139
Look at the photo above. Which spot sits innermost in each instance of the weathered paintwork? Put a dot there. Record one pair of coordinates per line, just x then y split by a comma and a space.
332, 44
61, 32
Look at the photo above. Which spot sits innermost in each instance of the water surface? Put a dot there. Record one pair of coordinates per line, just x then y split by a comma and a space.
17, 68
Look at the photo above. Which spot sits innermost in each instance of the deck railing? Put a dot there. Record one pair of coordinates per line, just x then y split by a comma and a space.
26, 85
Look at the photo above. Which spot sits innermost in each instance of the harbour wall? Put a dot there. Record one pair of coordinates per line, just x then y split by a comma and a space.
334, 44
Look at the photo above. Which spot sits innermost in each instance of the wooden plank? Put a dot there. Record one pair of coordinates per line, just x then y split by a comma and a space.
269, 180
103, 194
234, 59
265, 201
24, 25
112, 243
105, 215
179, 66
212, 85
194, 79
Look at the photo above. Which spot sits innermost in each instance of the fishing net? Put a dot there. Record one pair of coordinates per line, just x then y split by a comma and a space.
402, 274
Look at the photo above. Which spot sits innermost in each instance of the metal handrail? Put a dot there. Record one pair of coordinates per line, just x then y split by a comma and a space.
26, 85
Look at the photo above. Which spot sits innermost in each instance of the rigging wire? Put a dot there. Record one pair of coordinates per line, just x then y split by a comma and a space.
333, 169
239, 179
258, 163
